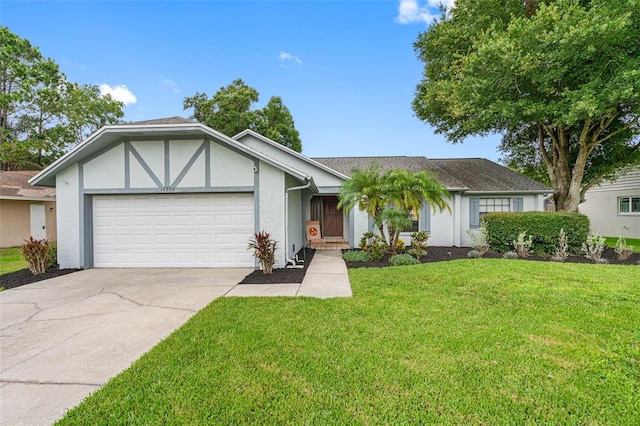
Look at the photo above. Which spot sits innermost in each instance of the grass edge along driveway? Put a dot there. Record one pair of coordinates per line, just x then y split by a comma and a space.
488, 341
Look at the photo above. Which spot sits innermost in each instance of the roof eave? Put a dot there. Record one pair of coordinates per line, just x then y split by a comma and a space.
290, 152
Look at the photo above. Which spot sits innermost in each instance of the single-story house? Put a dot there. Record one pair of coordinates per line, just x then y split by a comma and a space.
25, 210
613, 207
172, 192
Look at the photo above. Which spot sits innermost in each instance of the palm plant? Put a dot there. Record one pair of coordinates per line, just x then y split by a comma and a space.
366, 190
390, 197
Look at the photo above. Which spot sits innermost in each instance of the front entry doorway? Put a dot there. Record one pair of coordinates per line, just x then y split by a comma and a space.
325, 210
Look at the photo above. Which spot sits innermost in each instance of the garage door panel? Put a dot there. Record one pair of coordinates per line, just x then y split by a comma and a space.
202, 230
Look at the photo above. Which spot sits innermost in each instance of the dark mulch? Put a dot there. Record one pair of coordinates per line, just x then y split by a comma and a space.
440, 254
24, 276
284, 275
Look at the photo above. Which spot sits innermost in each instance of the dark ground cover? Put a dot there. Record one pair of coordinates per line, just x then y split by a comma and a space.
24, 276
440, 254
282, 275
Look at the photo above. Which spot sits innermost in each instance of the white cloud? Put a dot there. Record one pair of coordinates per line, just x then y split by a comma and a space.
171, 85
410, 11
119, 93
288, 57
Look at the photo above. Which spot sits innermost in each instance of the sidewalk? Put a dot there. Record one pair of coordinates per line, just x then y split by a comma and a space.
326, 277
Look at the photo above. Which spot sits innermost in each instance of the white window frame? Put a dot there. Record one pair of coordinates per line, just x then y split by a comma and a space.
484, 207
629, 199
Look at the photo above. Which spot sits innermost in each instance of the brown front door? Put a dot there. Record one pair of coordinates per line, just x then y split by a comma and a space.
331, 225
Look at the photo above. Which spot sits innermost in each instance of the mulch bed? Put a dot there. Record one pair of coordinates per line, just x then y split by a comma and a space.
440, 254
24, 276
282, 275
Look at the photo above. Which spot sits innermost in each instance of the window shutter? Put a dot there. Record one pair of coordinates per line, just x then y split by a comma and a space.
517, 204
474, 212
425, 218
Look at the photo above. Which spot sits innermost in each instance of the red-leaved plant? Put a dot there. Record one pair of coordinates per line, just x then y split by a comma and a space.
35, 253
264, 249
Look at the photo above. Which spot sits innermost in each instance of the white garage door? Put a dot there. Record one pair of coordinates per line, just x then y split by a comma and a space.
172, 230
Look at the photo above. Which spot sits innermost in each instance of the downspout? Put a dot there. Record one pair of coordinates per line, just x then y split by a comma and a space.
286, 223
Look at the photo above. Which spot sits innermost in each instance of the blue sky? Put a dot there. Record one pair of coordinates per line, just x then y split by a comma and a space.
345, 69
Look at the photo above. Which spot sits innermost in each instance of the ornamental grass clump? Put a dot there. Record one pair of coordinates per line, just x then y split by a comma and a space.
403, 260
622, 249
356, 256
35, 253
510, 255
521, 245
593, 248
479, 240
562, 251
264, 249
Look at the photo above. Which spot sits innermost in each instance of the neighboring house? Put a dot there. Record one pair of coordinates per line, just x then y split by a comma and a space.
172, 192
614, 207
25, 210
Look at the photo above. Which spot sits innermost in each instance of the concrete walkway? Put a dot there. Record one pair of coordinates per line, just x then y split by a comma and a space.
326, 277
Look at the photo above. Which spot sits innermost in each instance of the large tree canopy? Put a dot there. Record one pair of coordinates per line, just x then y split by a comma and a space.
42, 114
560, 80
230, 111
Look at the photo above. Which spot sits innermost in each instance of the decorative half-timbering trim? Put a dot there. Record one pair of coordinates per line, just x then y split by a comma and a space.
167, 164
189, 164
146, 167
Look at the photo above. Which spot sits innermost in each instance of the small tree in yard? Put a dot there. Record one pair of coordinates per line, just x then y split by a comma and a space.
35, 253
264, 249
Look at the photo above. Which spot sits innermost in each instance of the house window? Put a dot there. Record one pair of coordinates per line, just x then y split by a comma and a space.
490, 205
628, 204
414, 223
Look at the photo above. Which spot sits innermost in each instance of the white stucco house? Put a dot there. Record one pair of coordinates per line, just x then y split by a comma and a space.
613, 207
175, 193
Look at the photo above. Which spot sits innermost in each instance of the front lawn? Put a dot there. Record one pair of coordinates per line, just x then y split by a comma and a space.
635, 242
482, 341
11, 260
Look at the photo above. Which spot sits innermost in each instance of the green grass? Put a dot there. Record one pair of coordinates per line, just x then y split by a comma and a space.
11, 259
482, 341
635, 242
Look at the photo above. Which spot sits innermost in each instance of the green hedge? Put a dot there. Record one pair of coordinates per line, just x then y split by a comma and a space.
503, 228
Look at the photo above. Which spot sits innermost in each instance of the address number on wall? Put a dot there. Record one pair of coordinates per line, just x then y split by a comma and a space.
168, 189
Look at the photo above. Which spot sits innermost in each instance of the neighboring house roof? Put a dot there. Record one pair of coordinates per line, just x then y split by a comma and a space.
466, 174
15, 186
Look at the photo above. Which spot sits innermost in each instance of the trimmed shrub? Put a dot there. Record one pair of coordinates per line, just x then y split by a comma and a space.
403, 259
356, 256
373, 244
503, 229
52, 255
35, 253
419, 241
417, 253
400, 245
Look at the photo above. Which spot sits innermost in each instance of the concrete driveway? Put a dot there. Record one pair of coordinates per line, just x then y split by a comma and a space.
63, 338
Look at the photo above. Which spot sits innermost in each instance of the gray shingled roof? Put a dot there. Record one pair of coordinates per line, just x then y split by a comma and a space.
470, 174
16, 184
168, 120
